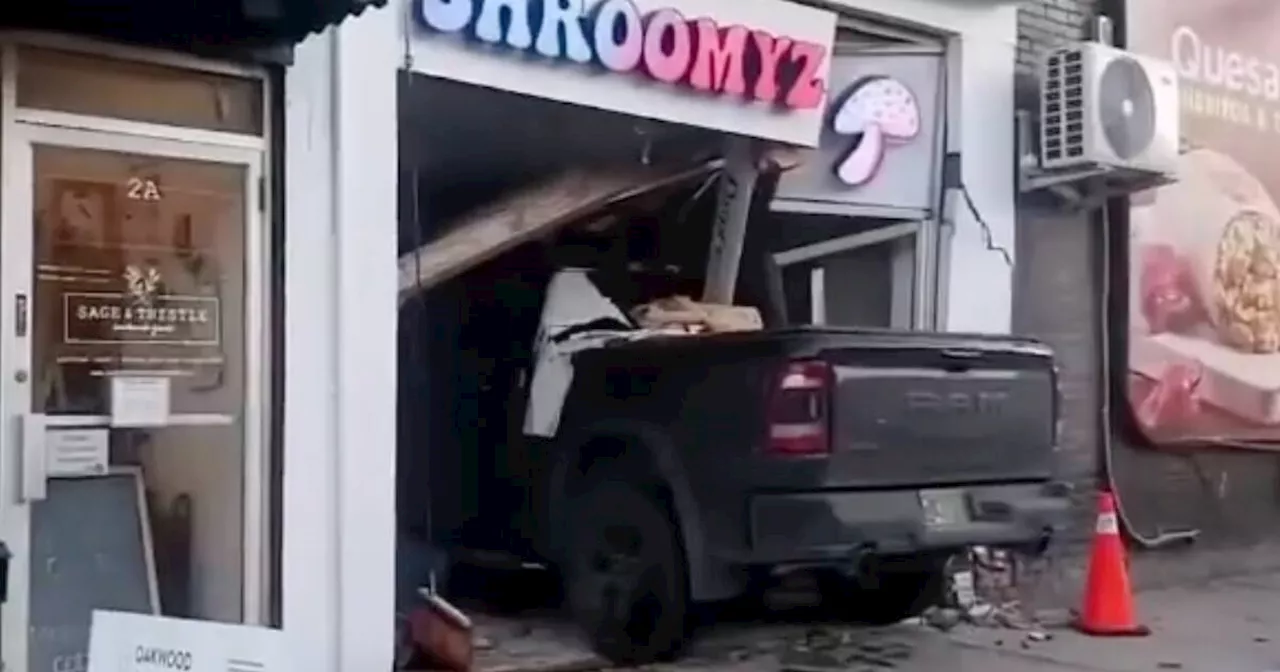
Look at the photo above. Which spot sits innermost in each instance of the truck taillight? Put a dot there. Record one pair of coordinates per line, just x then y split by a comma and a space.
799, 410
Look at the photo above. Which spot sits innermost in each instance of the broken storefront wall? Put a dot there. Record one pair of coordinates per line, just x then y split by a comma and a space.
889, 126
533, 213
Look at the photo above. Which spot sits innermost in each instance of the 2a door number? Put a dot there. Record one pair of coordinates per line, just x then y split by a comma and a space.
140, 189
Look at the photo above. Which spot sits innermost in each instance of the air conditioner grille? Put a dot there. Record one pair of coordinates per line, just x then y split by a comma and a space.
1108, 111
1063, 105
1126, 108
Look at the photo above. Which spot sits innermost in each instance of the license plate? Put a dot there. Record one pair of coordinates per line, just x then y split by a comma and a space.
944, 508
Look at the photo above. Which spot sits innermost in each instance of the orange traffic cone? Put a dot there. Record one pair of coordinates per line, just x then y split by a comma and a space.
1108, 609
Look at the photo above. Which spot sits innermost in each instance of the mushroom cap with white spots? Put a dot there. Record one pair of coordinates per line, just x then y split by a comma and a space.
882, 101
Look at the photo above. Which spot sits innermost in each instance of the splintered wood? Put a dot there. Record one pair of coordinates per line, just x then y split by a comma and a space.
529, 214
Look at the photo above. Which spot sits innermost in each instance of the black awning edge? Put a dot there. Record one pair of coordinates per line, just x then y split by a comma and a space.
293, 20
331, 12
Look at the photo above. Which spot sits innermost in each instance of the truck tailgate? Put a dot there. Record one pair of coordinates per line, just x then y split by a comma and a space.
926, 416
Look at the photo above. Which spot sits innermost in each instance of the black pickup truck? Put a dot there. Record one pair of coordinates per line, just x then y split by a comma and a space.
685, 470
686, 466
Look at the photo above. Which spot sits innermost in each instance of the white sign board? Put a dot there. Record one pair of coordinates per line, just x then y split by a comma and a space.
750, 67
140, 401
77, 452
124, 642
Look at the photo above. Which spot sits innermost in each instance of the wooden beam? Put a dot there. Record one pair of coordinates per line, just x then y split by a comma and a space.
529, 214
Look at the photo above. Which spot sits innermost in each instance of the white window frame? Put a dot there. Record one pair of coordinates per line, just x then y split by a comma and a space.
902, 285
911, 303
818, 295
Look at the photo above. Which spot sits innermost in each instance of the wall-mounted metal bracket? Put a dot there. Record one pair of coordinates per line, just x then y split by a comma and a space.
1078, 188
1089, 187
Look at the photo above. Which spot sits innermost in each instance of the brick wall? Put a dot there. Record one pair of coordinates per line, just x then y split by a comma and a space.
1044, 23
1232, 498
1055, 302
1056, 297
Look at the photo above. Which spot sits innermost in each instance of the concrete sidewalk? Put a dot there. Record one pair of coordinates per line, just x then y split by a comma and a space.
1227, 625
1223, 625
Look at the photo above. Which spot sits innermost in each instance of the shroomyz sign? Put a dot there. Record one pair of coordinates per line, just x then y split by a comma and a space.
877, 112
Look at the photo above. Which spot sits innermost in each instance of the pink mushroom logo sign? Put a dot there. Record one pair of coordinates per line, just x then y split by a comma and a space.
877, 112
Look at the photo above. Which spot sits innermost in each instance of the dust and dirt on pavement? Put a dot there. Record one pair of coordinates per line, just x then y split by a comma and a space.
990, 591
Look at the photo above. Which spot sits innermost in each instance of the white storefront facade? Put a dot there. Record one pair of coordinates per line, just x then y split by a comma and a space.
340, 103
146, 372
340, 325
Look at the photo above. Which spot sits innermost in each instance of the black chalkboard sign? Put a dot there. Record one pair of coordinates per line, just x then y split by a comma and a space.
90, 549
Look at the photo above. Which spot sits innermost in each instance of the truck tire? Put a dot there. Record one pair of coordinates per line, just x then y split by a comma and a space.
887, 596
626, 579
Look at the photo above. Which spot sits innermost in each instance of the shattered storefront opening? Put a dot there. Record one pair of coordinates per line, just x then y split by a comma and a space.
544, 212
507, 196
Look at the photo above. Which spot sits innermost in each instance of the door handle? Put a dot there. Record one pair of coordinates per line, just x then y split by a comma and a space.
32, 434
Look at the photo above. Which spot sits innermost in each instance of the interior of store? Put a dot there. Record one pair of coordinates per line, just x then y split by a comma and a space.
466, 339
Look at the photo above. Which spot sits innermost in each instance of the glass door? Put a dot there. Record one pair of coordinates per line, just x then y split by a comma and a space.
130, 349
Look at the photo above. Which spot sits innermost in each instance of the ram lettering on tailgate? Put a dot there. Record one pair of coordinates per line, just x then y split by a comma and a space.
985, 404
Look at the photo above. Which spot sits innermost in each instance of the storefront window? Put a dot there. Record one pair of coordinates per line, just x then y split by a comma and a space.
870, 286
847, 272
139, 275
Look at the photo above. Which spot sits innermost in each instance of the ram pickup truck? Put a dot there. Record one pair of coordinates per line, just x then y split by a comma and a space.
677, 469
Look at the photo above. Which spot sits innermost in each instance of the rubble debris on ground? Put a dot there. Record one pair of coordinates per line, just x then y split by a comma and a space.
440, 635
532, 644
847, 650
987, 588
797, 647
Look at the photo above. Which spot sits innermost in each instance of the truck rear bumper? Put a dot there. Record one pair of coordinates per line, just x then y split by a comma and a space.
840, 527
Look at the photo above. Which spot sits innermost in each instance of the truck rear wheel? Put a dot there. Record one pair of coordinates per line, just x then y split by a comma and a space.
625, 574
